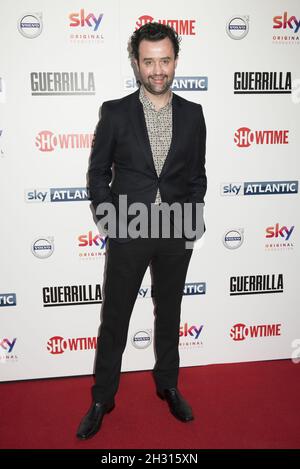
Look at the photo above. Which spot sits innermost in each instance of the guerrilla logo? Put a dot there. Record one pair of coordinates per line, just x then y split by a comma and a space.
238, 27
62, 83
70, 295
241, 332
245, 137
182, 27
30, 25
262, 83
256, 284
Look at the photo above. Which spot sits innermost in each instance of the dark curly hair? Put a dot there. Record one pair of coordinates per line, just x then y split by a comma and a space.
153, 32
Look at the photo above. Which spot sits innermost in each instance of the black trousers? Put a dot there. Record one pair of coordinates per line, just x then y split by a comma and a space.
126, 265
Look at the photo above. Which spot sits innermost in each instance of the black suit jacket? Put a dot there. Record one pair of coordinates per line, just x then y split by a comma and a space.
121, 155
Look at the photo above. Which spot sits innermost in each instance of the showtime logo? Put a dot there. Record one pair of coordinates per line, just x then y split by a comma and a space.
241, 332
244, 137
58, 345
182, 27
47, 141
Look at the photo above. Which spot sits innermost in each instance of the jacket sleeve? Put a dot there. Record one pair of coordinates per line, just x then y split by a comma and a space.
197, 182
197, 175
101, 160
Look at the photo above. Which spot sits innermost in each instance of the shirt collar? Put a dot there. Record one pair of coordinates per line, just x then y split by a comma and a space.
147, 103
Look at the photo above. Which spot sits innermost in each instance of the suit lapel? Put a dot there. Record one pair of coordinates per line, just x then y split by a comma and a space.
140, 128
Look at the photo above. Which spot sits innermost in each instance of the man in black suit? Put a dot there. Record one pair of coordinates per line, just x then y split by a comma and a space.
150, 146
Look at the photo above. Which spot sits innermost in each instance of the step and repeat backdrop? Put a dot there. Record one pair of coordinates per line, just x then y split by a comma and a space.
60, 60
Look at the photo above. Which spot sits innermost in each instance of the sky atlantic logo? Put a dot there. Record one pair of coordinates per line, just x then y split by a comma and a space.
262, 83
191, 288
46, 141
259, 188
64, 194
182, 27
8, 299
70, 295
195, 83
240, 332
245, 137
238, 27
256, 284
62, 84
58, 345
30, 25
279, 238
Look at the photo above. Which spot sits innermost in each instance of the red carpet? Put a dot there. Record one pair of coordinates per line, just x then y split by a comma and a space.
244, 405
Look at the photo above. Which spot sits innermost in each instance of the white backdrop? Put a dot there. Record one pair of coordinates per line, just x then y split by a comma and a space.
60, 60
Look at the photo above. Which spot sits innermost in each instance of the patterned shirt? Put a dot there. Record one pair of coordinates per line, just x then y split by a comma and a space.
159, 127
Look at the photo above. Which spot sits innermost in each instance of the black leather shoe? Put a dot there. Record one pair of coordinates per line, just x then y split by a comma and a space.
91, 422
177, 404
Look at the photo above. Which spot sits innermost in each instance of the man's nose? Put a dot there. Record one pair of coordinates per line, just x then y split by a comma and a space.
157, 68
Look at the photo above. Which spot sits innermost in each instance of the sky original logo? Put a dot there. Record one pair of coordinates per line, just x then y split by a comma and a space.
57, 345
8, 299
182, 27
279, 237
256, 284
262, 83
245, 137
62, 84
94, 245
259, 188
85, 27
189, 336
286, 29
47, 141
240, 332
30, 25
70, 295
43, 247
238, 27
67, 194
6, 350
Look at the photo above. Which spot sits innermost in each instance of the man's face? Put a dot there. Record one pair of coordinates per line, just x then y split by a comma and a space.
156, 65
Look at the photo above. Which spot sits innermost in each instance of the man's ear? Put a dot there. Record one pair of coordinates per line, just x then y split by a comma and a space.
176, 61
136, 64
